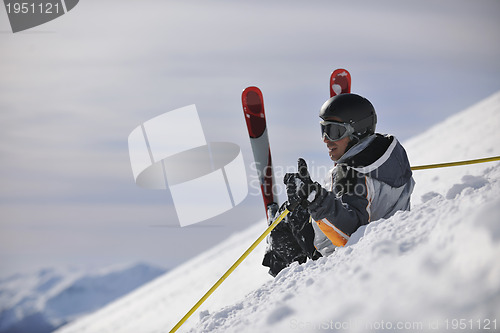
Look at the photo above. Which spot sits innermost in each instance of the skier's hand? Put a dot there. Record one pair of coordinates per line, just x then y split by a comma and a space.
291, 180
300, 187
272, 210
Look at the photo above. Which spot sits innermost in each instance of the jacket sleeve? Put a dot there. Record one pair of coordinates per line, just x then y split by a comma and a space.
340, 216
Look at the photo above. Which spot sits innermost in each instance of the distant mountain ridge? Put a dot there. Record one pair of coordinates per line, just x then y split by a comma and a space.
48, 298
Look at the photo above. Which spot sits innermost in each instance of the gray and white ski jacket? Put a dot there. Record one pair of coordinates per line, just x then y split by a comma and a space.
373, 180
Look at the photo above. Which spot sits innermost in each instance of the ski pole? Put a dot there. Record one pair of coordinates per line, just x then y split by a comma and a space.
231, 269
449, 164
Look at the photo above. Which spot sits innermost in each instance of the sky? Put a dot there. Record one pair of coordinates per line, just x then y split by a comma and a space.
73, 89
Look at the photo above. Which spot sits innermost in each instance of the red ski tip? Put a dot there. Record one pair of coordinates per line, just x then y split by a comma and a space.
253, 107
340, 82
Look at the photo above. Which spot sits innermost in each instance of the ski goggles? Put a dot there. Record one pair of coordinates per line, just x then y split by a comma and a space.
335, 131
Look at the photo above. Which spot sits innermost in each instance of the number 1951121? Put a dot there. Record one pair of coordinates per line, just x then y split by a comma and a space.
32, 8
471, 324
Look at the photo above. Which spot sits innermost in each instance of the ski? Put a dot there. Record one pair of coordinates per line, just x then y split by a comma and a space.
255, 117
340, 82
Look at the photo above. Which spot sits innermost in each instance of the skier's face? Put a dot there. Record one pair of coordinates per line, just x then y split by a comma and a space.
336, 148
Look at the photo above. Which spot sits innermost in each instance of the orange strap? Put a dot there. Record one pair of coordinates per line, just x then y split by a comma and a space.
337, 237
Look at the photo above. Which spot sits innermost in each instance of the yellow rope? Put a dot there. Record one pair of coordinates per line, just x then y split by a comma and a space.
282, 216
231, 269
444, 165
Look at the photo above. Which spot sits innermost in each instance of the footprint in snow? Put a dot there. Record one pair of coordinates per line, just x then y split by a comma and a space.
429, 196
468, 181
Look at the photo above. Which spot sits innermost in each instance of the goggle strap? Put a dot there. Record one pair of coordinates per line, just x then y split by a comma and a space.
364, 123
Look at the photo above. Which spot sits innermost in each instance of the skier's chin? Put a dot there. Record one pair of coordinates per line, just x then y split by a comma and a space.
332, 153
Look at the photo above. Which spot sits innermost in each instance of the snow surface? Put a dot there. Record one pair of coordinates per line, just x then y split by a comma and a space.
425, 270
43, 300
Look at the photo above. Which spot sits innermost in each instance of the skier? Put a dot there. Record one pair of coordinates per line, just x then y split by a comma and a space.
371, 180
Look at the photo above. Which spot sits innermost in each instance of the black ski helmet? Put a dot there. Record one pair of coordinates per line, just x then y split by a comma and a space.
352, 109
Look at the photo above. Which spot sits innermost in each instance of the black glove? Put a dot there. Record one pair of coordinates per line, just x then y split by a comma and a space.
291, 240
283, 248
272, 210
299, 223
299, 187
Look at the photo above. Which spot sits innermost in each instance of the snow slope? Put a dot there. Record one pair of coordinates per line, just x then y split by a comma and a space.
470, 134
44, 300
431, 269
